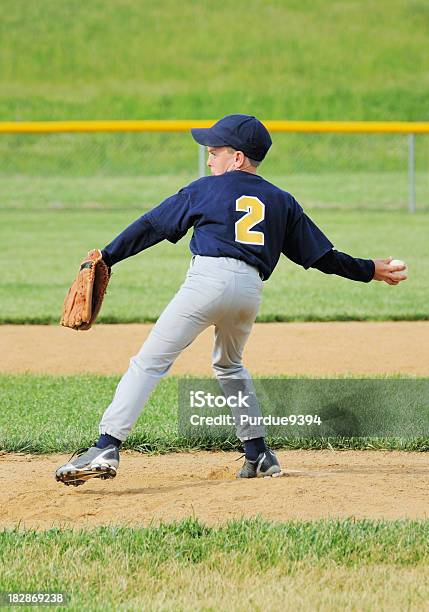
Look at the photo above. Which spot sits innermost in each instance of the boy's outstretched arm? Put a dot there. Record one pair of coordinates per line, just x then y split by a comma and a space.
364, 270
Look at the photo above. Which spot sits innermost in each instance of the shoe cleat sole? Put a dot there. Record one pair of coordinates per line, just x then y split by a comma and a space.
79, 477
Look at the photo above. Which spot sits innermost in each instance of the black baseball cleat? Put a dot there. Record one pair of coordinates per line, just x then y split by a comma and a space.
266, 464
89, 463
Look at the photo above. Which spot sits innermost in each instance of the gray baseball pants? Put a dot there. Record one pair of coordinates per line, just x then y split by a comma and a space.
218, 291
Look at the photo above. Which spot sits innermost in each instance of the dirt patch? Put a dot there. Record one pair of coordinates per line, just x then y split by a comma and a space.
314, 349
154, 489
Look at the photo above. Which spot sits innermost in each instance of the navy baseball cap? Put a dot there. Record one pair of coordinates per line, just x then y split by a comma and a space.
241, 132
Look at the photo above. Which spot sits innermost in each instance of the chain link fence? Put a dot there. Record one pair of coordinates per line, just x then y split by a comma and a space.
325, 170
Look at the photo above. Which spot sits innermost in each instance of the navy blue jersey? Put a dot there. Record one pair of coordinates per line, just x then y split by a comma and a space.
240, 215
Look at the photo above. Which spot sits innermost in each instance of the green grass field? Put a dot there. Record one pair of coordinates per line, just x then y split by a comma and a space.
346, 191
46, 414
295, 60
355, 565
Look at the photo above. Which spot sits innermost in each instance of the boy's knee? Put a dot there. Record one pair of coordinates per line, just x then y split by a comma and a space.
157, 365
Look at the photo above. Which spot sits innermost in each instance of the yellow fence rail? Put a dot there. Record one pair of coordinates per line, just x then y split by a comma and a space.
346, 127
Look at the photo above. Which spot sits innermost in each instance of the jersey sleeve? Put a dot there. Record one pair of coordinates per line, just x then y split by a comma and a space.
173, 217
137, 237
341, 264
304, 243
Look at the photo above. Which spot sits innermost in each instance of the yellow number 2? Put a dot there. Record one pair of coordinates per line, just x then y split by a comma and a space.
255, 210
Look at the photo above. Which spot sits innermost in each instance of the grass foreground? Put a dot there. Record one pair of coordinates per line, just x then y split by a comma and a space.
332, 564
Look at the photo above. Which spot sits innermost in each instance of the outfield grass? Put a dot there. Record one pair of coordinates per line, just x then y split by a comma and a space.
46, 414
347, 191
46, 246
321, 565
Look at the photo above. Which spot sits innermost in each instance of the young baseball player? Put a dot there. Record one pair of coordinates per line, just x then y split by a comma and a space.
241, 225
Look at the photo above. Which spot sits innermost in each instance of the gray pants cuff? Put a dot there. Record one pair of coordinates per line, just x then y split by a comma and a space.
112, 432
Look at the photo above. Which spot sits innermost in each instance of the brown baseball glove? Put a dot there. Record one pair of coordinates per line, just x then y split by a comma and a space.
85, 296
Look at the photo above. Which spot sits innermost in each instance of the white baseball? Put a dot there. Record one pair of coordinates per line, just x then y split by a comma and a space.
398, 262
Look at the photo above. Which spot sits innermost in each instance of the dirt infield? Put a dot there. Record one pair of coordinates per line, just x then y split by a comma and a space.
316, 484
314, 349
